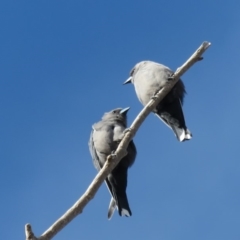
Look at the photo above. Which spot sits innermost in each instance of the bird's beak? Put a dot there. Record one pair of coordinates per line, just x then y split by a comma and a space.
128, 80
124, 111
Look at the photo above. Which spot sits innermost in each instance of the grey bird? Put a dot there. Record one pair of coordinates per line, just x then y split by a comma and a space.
148, 77
104, 140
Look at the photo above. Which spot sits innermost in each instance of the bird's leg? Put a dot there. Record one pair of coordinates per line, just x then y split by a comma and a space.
154, 97
171, 77
127, 130
113, 155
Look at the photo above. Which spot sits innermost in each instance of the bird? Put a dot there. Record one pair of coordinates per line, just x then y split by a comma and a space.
148, 78
104, 140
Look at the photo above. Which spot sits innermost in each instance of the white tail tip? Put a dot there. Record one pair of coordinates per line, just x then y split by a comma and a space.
125, 212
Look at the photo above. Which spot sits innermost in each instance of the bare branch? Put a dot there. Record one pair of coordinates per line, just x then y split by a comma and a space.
29, 233
113, 160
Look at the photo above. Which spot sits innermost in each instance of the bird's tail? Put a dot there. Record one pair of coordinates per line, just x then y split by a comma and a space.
172, 115
119, 200
111, 208
123, 205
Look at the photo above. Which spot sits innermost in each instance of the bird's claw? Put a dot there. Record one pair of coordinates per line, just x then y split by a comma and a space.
171, 77
154, 97
127, 130
113, 155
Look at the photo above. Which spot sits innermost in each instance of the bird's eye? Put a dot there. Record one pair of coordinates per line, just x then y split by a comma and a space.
114, 111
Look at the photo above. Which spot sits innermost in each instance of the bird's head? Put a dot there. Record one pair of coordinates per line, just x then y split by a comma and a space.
134, 71
117, 114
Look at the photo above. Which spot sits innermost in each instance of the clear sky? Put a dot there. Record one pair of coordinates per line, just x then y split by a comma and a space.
62, 66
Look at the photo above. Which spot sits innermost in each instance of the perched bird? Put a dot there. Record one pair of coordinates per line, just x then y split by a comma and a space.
104, 140
148, 77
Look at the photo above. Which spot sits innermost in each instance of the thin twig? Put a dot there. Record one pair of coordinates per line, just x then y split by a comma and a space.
113, 160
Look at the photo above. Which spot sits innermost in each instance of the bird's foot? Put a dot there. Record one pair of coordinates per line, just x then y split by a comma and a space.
154, 97
127, 130
113, 155
171, 77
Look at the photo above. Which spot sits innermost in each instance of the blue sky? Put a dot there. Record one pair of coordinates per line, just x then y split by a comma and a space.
62, 66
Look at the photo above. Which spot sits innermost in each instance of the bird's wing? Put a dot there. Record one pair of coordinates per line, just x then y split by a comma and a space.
98, 166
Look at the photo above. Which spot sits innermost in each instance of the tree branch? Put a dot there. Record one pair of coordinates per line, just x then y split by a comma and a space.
113, 160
